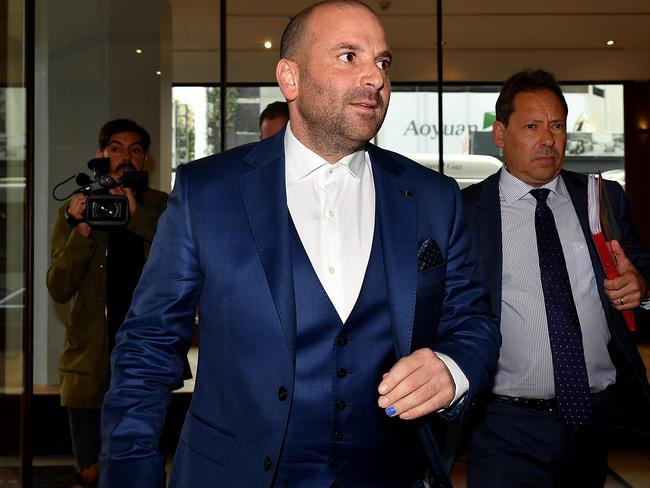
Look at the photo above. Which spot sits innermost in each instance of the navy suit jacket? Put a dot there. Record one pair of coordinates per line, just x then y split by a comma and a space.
223, 246
483, 210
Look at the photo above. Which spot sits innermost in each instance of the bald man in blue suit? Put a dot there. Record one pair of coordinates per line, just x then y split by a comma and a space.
342, 319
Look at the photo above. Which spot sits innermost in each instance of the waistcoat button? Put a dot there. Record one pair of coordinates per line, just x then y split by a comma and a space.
267, 463
340, 405
341, 372
282, 393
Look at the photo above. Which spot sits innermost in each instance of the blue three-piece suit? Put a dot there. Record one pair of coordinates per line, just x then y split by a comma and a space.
285, 394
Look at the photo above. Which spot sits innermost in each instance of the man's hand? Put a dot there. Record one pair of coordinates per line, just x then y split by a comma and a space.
77, 206
130, 194
416, 386
77, 209
629, 289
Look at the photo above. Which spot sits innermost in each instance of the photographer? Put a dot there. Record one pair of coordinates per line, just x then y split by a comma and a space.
98, 268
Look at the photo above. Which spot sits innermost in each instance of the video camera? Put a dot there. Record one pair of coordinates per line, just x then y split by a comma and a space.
102, 208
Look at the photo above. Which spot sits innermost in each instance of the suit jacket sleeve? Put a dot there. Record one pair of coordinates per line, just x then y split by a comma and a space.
147, 362
468, 332
634, 249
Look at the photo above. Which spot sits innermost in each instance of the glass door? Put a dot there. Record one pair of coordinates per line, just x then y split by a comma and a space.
13, 283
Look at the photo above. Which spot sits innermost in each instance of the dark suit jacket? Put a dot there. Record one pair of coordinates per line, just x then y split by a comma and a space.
483, 210
223, 245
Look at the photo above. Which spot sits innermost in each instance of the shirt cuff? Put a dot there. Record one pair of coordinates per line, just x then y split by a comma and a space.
460, 380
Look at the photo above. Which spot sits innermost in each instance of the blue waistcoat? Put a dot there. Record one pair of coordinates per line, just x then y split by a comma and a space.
337, 435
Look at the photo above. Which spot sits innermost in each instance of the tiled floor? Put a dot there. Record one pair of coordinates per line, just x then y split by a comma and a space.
632, 466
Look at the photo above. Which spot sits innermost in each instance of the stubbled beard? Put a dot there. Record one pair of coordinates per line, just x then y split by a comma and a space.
329, 125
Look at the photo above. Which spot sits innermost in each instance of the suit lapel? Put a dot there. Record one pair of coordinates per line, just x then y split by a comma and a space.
488, 220
264, 193
396, 209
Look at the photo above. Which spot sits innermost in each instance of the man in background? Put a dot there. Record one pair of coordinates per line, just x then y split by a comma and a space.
97, 269
273, 118
567, 361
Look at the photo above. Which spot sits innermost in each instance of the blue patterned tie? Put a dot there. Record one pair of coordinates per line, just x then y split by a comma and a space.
570, 373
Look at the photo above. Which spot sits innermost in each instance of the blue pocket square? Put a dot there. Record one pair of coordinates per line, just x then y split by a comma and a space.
429, 255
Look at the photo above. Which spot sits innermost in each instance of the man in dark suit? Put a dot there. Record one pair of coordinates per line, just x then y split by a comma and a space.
566, 355
340, 307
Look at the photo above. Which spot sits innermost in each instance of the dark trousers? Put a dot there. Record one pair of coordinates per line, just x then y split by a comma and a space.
519, 446
85, 433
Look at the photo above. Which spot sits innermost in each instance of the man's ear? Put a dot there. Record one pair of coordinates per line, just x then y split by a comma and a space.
498, 133
286, 73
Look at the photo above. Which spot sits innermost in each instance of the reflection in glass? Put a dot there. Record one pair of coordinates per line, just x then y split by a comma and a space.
197, 118
12, 201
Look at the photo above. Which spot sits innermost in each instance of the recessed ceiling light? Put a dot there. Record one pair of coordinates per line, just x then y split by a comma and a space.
158, 72
610, 42
139, 51
268, 44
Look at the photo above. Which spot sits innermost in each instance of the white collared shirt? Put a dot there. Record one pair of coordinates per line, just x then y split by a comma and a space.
333, 210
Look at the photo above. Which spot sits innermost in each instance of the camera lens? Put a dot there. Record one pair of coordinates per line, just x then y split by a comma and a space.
106, 210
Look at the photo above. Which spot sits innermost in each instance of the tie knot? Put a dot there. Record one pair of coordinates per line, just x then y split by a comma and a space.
540, 194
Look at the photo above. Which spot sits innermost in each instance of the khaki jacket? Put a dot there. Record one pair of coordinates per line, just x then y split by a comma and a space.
77, 274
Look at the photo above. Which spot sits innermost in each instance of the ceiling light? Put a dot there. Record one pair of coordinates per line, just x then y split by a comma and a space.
139, 51
268, 44
158, 72
610, 42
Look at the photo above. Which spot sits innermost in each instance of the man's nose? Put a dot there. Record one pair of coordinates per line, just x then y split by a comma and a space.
372, 76
548, 138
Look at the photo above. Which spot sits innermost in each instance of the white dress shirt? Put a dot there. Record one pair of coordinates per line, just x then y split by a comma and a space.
525, 367
333, 209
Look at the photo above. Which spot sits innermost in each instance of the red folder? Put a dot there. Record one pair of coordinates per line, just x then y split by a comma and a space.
596, 203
